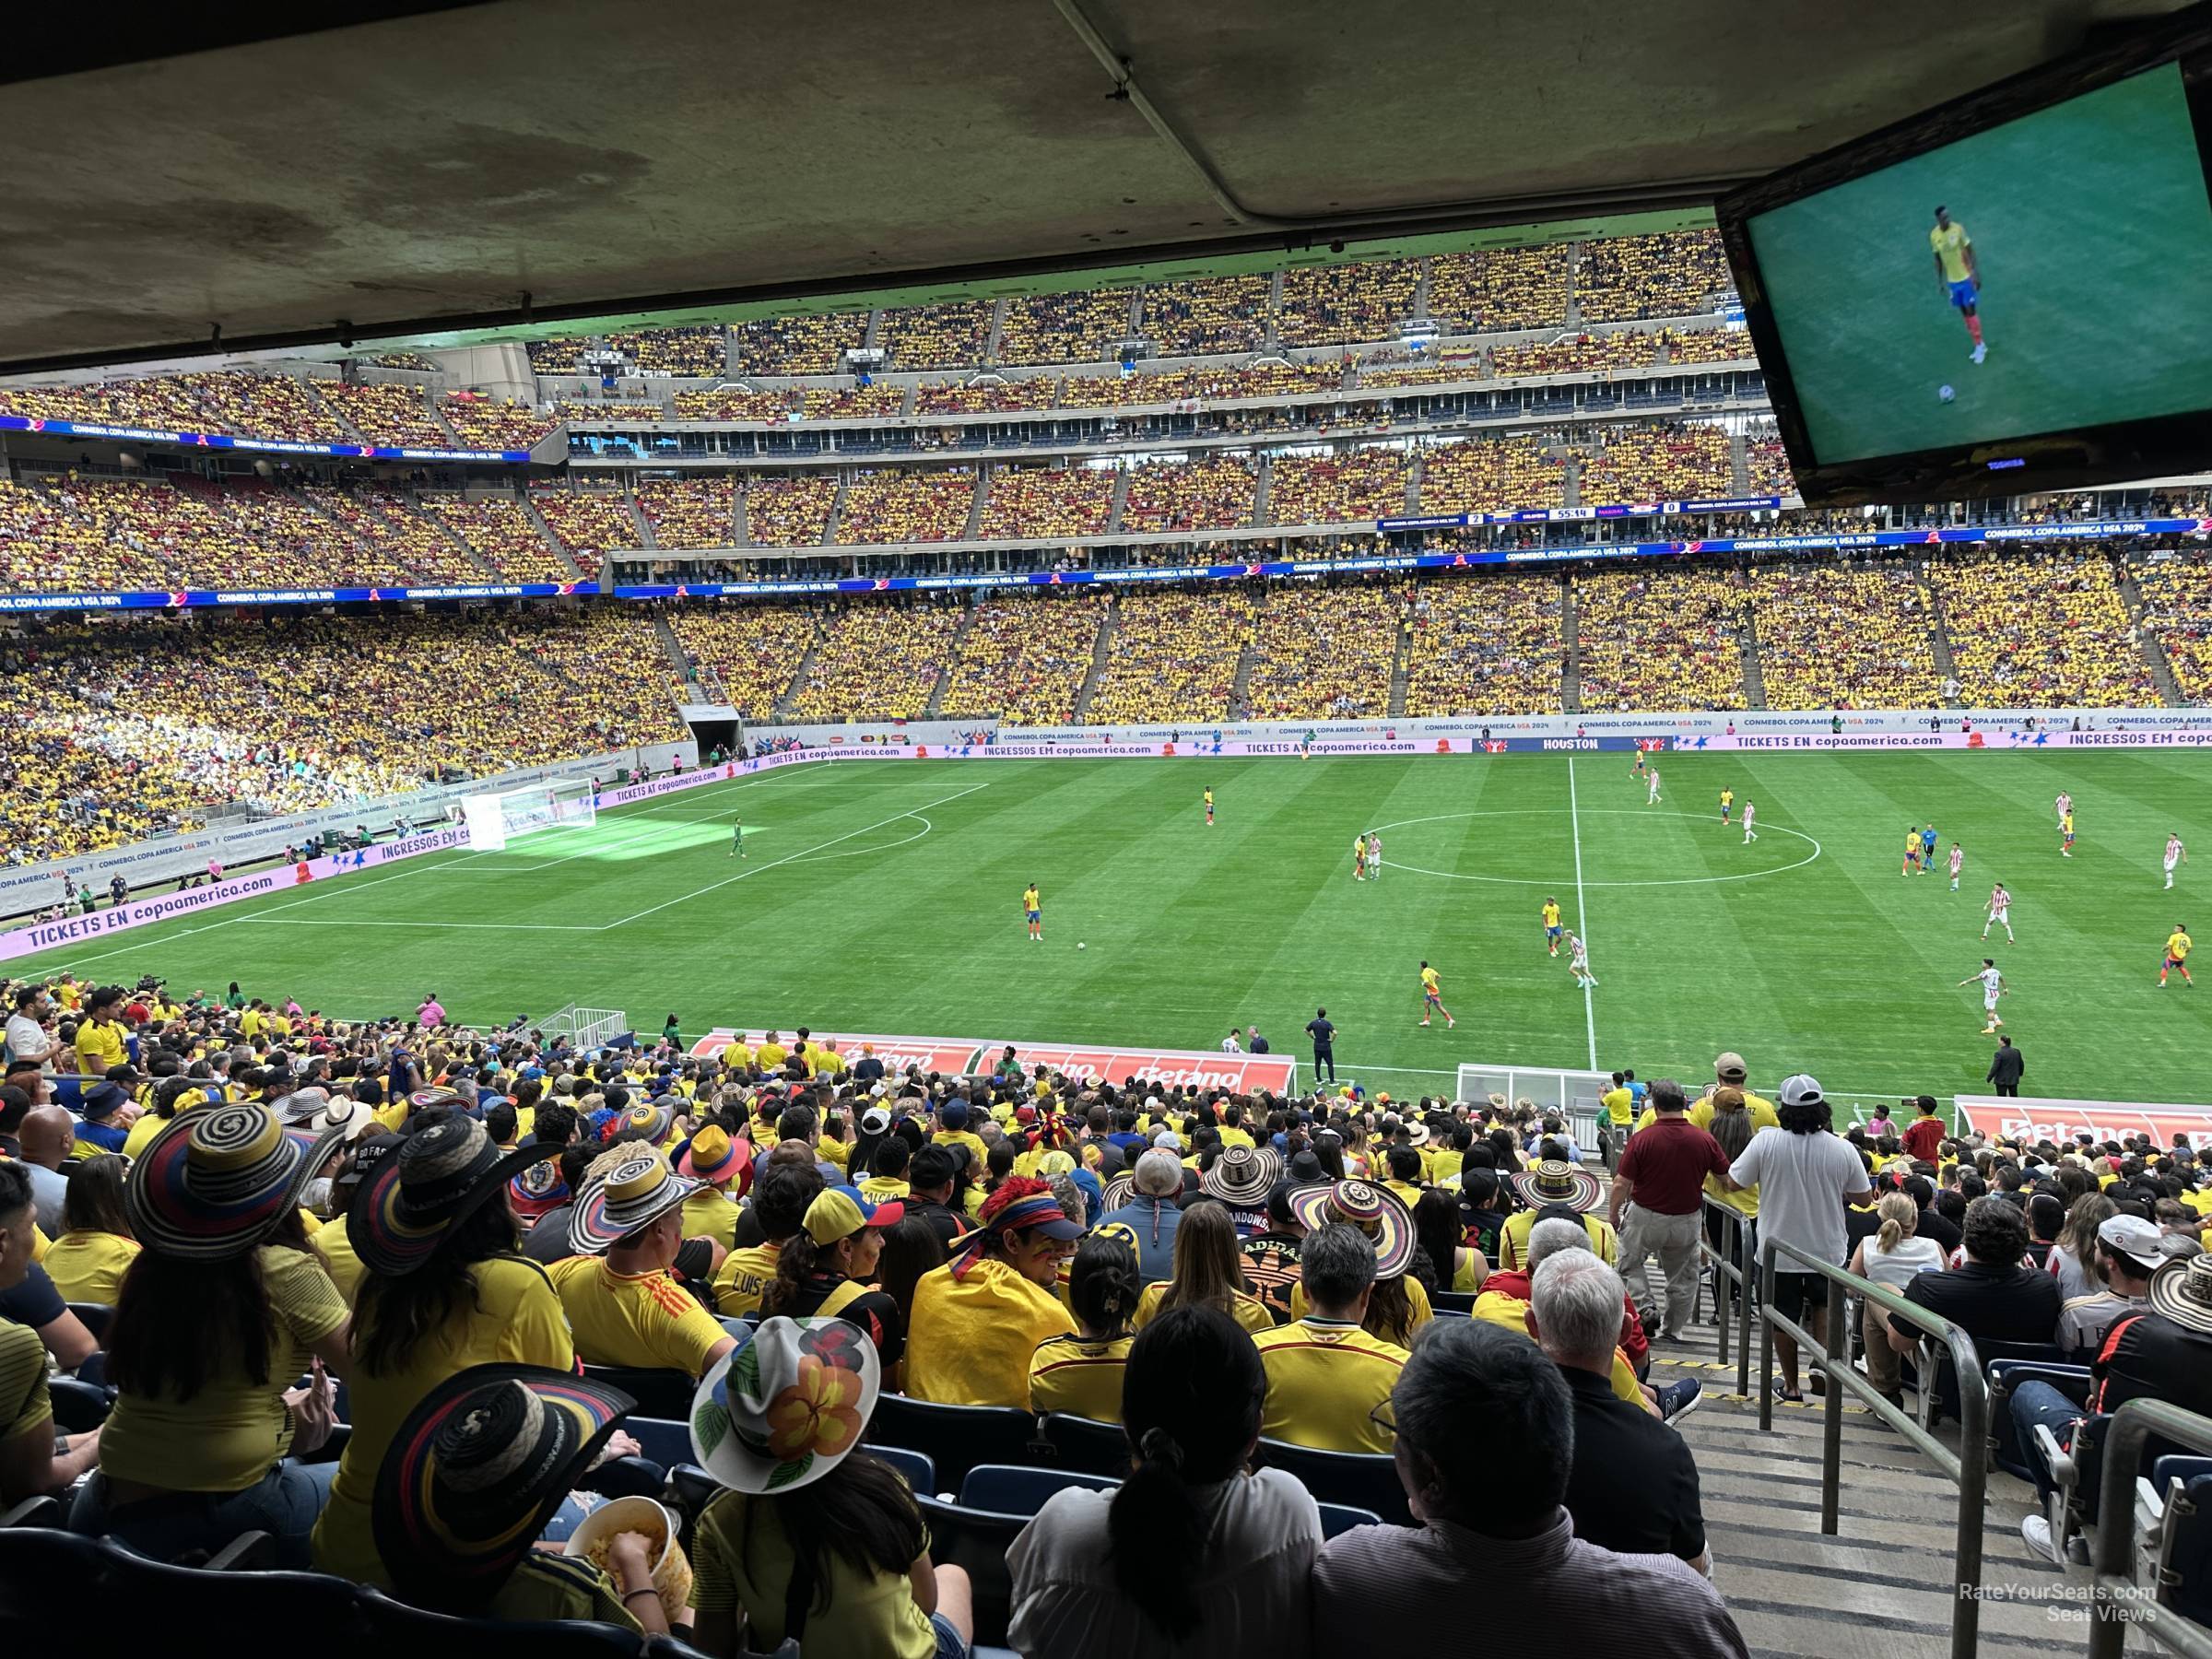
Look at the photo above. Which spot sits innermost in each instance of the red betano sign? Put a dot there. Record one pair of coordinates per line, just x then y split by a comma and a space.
2060, 1121
1238, 1073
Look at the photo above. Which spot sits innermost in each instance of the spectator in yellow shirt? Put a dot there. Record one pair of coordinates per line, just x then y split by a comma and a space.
1081, 1374
977, 1320
95, 1250
625, 1309
724, 1169
99, 1036
1328, 1381
1209, 1273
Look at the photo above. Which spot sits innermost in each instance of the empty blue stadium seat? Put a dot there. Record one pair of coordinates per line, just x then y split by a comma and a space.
955, 1437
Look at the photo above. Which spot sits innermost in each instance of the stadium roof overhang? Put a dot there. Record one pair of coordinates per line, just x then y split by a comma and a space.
435, 174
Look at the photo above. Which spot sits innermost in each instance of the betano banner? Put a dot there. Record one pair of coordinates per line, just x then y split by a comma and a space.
2060, 1121
966, 1056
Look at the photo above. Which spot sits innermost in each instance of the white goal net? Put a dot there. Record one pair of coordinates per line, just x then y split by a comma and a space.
493, 820
1573, 1094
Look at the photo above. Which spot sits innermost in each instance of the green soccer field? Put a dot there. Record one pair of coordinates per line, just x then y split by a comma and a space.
885, 897
2094, 240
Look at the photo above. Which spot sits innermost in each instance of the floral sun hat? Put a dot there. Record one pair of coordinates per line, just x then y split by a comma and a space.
781, 1410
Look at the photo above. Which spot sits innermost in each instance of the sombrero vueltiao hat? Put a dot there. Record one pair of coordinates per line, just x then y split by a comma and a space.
1555, 1180
404, 1208
786, 1405
655, 1117
2182, 1291
476, 1471
1118, 1193
213, 1182
1375, 1212
1242, 1176
634, 1194
538, 1189
712, 1156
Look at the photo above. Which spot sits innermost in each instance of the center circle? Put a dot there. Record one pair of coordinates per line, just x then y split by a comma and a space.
1550, 812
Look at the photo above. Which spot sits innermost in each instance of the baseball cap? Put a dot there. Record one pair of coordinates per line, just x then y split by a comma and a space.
1729, 1068
839, 1212
2134, 1238
953, 1114
875, 1121
1800, 1090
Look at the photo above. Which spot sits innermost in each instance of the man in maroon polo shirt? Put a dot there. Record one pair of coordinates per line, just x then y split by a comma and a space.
1658, 1198
1923, 1134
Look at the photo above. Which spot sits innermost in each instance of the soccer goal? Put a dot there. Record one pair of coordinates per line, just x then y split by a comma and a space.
493, 820
1573, 1094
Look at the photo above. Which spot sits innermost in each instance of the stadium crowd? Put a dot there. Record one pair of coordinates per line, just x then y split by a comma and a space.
1499, 288
2040, 629
1672, 273
1025, 656
788, 512
1211, 317
1046, 501
1490, 475
874, 661
1488, 647
499, 531
1341, 304
588, 523
1349, 486
1325, 652
386, 412
1660, 638
1658, 462
2177, 597
1173, 656
522, 1259
1083, 326
1209, 491
955, 334
800, 344
893, 506
693, 512
745, 653
1845, 636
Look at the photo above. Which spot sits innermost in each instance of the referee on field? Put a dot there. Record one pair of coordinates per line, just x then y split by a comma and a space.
1325, 1044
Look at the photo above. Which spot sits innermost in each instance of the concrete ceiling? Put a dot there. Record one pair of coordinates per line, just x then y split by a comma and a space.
427, 171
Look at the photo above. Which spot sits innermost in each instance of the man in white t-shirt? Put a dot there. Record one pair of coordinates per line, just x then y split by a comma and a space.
1805, 1176
27, 1036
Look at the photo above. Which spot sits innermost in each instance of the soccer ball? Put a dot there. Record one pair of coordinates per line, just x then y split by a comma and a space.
1078, 944
1945, 393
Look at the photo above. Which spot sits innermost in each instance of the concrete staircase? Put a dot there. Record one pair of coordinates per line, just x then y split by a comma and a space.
1121, 500
1400, 663
545, 531
1572, 253
799, 675
679, 660
741, 529
438, 522
1570, 654
837, 504
1100, 651
1880, 1587
1755, 678
998, 328
976, 507
1940, 637
952, 662
1740, 464
1259, 494
2153, 654
1414, 476
1240, 684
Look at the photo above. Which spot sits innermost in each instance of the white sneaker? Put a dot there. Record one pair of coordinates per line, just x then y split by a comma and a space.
1979, 352
2035, 1531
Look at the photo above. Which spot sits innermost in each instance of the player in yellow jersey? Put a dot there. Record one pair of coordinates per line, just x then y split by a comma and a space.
2178, 945
1551, 924
1432, 997
1959, 273
1727, 804
1035, 910
2065, 834
1911, 851
1210, 809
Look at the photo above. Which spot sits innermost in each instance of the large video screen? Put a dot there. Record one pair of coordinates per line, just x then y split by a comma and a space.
2029, 304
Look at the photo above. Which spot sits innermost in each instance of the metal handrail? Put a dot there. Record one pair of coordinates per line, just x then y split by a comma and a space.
1724, 1265
2121, 1603
1967, 1467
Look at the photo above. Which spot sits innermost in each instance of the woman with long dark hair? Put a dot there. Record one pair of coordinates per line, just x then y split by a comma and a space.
222, 1307
1437, 1226
812, 1540
1191, 1554
828, 1267
94, 1249
444, 1290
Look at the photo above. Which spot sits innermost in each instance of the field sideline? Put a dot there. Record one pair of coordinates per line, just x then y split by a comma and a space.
887, 896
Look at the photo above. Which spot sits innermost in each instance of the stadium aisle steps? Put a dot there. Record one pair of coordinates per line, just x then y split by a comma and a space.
2154, 653
805, 667
952, 661
1755, 678
1101, 650
1880, 1589
544, 533
1120, 500
1940, 634
1400, 670
831, 525
1571, 659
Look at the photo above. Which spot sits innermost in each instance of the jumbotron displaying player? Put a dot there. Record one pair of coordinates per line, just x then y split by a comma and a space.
1960, 273
2178, 945
1432, 997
